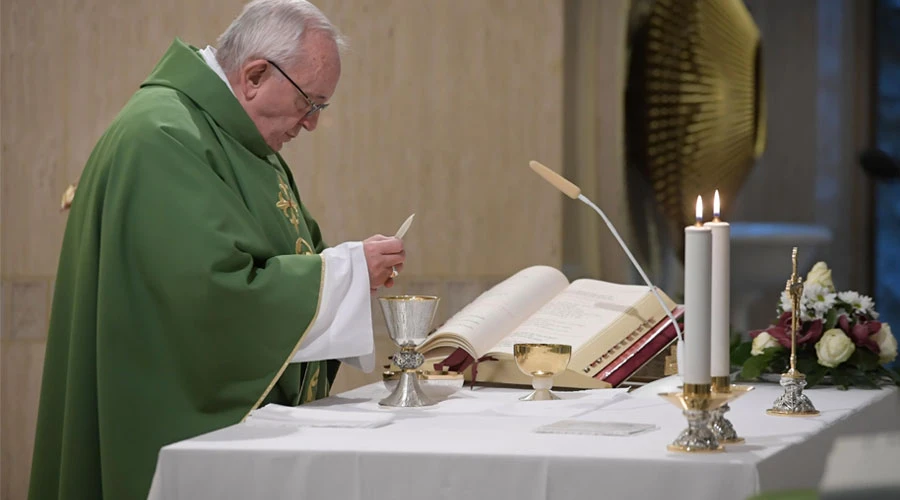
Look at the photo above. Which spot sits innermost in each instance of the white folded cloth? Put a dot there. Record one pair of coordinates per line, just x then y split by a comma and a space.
316, 417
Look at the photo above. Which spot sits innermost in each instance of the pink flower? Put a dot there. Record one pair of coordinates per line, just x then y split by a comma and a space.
813, 333
778, 333
861, 332
782, 331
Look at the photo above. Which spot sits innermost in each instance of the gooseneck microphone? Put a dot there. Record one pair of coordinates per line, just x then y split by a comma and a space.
574, 192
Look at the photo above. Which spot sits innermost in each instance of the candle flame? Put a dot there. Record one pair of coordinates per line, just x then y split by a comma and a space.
716, 205
699, 209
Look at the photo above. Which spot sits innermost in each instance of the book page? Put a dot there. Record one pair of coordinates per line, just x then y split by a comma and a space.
575, 316
497, 311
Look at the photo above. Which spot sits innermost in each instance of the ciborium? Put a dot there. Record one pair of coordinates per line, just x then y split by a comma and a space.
793, 403
408, 319
542, 362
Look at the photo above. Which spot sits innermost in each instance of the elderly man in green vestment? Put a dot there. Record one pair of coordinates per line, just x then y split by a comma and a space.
194, 285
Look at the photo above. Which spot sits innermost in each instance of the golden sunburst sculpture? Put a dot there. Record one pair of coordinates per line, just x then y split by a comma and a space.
695, 103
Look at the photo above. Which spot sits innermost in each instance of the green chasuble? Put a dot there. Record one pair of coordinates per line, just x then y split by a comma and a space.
189, 274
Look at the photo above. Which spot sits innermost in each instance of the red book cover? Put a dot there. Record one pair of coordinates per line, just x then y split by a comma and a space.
642, 351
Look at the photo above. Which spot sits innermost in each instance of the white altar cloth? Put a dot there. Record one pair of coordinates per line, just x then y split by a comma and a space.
481, 444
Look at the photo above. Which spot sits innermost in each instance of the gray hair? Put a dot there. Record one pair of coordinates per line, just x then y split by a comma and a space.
273, 29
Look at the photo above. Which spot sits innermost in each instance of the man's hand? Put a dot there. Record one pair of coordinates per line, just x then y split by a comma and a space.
383, 255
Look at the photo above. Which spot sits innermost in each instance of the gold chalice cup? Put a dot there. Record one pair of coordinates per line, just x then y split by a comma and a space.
408, 319
542, 362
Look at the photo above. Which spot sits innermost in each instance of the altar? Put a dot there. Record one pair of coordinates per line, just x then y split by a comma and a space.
483, 443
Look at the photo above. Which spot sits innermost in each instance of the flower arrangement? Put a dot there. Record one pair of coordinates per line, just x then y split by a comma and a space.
839, 337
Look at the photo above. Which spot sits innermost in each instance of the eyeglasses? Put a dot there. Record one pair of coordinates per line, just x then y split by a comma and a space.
313, 107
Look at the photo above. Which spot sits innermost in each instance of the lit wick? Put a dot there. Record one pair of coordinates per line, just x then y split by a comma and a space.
699, 212
716, 211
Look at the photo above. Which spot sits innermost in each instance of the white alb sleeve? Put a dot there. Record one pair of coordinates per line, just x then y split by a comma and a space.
343, 327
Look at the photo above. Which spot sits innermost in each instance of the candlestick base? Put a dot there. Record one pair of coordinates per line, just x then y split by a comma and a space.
698, 437
793, 403
696, 402
721, 426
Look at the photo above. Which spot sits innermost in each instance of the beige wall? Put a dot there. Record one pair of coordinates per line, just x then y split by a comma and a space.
440, 107
594, 144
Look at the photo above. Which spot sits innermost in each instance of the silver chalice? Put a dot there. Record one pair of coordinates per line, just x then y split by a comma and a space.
408, 319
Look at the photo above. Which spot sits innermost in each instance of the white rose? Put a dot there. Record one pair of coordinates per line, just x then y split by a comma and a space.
887, 343
762, 342
834, 348
820, 275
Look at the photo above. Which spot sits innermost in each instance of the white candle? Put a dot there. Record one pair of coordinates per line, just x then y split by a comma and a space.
697, 281
720, 342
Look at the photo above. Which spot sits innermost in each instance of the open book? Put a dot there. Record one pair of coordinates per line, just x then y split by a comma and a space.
600, 320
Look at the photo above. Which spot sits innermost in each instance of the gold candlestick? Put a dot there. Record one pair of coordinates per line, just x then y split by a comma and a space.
793, 402
698, 402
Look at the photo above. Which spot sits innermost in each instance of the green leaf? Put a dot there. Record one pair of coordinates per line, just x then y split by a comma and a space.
740, 353
734, 338
875, 378
830, 319
815, 375
807, 364
891, 373
781, 361
894, 374
756, 365
861, 379
841, 377
863, 359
